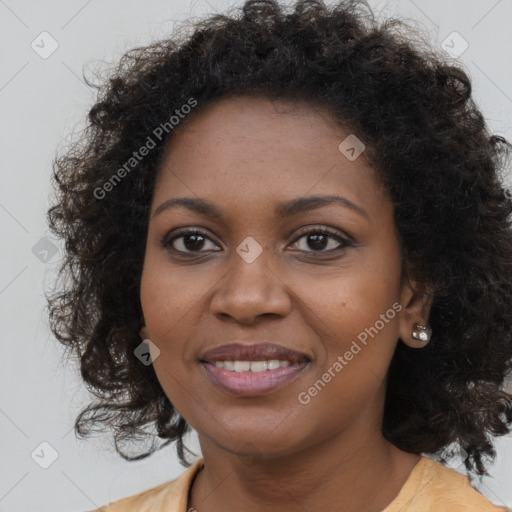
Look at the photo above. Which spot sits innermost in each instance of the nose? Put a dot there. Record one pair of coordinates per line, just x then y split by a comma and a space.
250, 290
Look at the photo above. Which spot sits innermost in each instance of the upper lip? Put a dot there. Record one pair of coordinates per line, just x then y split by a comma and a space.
255, 352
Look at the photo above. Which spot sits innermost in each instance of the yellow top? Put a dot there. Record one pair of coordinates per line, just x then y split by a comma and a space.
430, 487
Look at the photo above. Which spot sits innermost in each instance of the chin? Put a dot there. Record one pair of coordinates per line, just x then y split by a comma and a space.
259, 440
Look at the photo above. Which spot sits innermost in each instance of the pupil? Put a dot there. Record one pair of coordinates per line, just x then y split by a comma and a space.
316, 244
197, 242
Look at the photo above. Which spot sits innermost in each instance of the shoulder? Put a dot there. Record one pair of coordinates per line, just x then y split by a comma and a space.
432, 486
160, 498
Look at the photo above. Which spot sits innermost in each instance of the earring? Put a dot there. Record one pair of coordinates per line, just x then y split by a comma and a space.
422, 333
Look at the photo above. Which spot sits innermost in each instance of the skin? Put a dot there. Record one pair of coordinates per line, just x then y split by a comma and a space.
246, 155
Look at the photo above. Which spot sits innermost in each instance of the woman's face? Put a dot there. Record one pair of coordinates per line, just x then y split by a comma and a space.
260, 272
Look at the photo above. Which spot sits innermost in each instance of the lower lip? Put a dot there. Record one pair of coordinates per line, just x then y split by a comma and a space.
252, 383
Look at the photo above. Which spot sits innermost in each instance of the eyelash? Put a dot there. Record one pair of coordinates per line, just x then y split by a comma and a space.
166, 242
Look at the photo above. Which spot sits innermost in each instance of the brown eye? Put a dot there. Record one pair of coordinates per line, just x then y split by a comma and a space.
188, 241
321, 240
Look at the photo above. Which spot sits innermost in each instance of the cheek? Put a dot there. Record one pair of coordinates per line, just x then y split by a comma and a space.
354, 312
168, 296
343, 303
358, 340
168, 307
167, 325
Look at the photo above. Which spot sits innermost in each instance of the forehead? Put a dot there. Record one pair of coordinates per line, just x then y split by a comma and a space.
256, 123
255, 149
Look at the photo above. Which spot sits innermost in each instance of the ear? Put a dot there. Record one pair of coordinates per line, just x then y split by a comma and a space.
143, 333
416, 302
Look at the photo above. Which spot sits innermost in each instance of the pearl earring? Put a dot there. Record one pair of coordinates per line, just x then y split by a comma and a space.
422, 333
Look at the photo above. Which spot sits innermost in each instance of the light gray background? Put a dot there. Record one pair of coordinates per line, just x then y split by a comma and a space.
41, 100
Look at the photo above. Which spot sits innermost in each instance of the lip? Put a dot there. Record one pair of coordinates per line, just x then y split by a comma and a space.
256, 352
253, 383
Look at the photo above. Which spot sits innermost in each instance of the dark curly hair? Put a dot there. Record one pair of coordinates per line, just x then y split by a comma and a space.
428, 143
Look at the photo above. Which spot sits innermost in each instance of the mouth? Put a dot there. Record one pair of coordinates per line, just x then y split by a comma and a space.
250, 370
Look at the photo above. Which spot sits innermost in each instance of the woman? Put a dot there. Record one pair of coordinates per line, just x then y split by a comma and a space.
287, 231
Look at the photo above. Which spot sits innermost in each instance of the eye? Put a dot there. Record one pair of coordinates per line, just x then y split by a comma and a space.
322, 240
193, 240
188, 240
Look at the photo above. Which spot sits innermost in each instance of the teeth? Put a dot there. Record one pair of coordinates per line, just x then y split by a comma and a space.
259, 366
242, 366
253, 366
274, 364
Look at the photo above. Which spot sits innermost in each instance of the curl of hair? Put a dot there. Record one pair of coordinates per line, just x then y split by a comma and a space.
428, 143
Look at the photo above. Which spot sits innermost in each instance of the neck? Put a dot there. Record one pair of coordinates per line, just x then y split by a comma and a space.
356, 472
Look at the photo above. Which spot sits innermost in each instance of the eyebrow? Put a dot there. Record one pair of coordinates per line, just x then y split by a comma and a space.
283, 210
